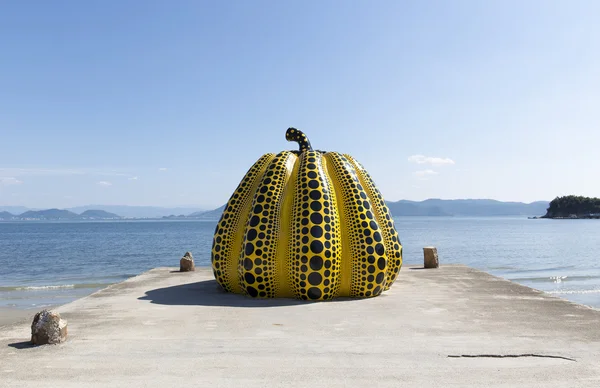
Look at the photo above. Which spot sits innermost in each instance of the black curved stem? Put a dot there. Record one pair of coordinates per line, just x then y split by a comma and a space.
293, 134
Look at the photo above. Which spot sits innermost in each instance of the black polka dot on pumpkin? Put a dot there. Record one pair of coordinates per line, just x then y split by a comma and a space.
316, 218
249, 278
381, 263
314, 194
316, 246
313, 293
253, 292
315, 278
316, 263
249, 249
379, 249
316, 231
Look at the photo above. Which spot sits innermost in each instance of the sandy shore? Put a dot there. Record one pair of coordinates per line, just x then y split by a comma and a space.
448, 327
9, 316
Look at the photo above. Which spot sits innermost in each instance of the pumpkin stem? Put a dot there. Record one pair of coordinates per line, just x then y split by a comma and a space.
293, 134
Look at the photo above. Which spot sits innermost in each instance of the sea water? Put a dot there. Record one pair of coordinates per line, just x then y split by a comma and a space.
51, 263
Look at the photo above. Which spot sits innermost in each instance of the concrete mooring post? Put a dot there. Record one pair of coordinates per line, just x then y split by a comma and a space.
431, 257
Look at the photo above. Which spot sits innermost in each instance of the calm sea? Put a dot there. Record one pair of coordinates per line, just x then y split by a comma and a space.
50, 263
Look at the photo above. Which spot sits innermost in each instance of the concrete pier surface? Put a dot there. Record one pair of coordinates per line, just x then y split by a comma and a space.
448, 327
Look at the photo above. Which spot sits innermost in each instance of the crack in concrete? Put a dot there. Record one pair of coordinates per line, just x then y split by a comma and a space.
509, 356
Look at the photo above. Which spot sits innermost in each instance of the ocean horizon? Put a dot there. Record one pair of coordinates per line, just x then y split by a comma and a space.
50, 263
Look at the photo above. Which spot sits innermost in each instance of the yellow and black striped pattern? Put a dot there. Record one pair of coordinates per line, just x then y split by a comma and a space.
306, 224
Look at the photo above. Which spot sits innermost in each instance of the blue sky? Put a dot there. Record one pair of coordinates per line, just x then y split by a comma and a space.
169, 102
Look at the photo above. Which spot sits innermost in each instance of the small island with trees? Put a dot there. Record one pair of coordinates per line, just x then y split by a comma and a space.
573, 207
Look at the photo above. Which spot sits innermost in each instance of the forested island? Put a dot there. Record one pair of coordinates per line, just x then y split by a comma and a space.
572, 206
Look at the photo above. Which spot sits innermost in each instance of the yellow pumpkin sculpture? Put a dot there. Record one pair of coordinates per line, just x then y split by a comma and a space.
306, 224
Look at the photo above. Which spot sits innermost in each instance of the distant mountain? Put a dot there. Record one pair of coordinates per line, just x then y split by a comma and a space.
441, 207
6, 216
411, 208
429, 207
50, 214
98, 214
15, 209
210, 214
467, 208
137, 211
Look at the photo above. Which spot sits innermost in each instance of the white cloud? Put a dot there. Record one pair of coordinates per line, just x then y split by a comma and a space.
9, 181
422, 159
133, 178
163, 169
104, 183
425, 174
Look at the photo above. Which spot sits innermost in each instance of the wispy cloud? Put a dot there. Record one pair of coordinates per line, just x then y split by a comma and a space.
104, 183
422, 159
163, 169
9, 181
133, 178
425, 174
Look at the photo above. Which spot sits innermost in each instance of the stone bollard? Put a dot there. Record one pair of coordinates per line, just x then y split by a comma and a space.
48, 328
186, 263
431, 257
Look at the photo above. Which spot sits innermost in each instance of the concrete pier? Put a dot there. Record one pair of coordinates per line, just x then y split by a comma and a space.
452, 327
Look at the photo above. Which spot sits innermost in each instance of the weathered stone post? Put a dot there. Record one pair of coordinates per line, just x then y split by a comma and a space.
186, 263
431, 257
48, 328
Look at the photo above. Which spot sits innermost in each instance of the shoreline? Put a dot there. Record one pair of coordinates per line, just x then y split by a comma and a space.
14, 315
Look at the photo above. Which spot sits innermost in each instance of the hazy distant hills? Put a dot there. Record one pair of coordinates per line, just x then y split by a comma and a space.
137, 211
15, 209
443, 207
6, 216
216, 213
58, 214
50, 214
466, 208
429, 207
99, 214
